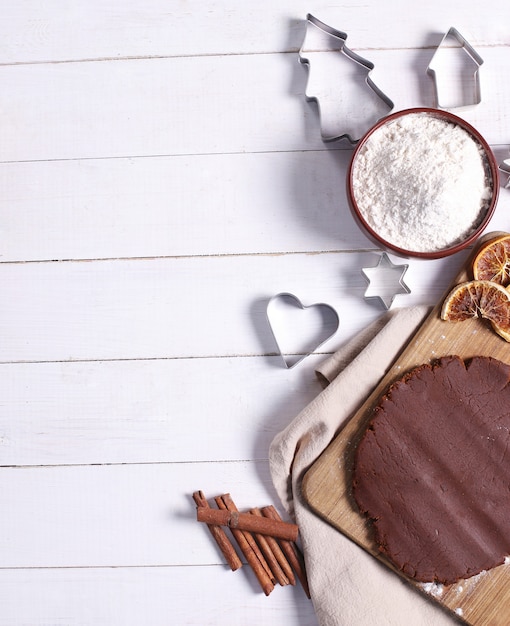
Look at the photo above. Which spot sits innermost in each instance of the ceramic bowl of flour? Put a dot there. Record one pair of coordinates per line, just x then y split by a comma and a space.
423, 183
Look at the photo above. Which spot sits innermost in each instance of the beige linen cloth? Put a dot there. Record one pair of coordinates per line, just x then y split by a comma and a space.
348, 586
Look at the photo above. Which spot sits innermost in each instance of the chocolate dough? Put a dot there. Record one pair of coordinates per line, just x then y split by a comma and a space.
433, 470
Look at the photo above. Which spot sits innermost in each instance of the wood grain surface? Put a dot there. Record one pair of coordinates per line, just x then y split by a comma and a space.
482, 600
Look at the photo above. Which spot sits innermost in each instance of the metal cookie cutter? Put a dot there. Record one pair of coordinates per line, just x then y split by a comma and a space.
505, 168
385, 280
324, 326
347, 108
455, 71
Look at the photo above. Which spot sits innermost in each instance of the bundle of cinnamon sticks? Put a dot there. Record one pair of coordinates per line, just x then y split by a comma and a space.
266, 541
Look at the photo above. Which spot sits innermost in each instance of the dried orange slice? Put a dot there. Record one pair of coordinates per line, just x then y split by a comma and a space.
479, 298
492, 261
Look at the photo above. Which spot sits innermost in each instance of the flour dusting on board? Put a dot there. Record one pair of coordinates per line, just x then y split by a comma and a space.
433, 588
420, 182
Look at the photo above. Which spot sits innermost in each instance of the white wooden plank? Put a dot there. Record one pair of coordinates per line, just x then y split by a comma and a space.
202, 105
186, 307
119, 515
195, 596
237, 203
148, 411
57, 30
150, 107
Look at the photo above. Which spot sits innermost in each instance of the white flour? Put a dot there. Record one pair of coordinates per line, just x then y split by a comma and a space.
420, 183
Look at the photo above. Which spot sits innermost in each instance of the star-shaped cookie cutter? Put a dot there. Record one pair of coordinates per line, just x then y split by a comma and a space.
385, 280
360, 115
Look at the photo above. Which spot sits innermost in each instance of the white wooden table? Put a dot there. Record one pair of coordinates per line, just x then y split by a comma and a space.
161, 177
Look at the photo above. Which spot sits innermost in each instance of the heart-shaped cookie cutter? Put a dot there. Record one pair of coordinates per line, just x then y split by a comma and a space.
293, 300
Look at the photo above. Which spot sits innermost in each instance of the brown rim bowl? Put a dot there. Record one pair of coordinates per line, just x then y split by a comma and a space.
492, 175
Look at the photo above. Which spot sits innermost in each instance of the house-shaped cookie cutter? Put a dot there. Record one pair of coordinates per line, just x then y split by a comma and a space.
348, 104
454, 69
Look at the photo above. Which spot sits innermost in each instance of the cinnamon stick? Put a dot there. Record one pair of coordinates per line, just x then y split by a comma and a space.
219, 535
249, 548
227, 499
274, 546
251, 523
268, 545
291, 551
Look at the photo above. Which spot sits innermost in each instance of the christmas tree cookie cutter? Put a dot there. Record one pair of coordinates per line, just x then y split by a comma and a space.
323, 324
454, 69
339, 82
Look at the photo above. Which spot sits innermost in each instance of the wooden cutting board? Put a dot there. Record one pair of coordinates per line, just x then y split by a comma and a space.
482, 600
